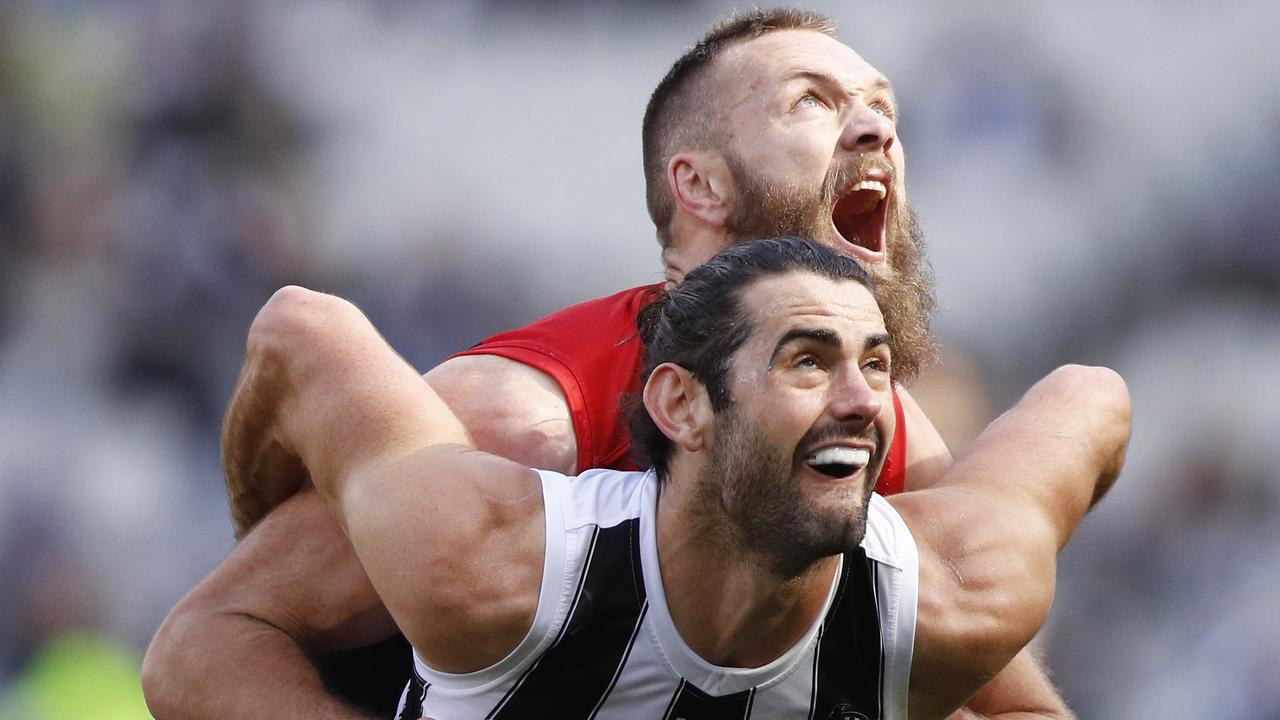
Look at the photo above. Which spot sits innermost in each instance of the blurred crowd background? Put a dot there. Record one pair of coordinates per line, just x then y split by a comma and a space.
1099, 182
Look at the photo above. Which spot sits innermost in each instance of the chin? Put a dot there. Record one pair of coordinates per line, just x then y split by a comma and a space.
840, 529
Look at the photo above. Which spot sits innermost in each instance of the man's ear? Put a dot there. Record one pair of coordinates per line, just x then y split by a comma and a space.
702, 186
679, 406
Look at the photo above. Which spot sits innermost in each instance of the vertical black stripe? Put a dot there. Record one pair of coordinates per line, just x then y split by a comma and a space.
690, 703
644, 610
875, 591
848, 676
415, 694
573, 605
817, 660
671, 704
570, 679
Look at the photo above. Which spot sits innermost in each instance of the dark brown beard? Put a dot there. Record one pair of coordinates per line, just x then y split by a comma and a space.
905, 294
754, 510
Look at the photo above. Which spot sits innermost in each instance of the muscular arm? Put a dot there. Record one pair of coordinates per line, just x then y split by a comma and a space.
243, 640
1021, 691
990, 530
452, 538
509, 408
238, 645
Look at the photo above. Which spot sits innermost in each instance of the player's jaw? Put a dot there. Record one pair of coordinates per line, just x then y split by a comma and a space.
792, 503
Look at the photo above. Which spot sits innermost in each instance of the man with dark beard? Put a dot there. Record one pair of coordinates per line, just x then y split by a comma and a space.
800, 140
752, 573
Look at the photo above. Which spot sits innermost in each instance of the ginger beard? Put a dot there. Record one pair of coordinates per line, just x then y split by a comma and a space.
765, 509
904, 290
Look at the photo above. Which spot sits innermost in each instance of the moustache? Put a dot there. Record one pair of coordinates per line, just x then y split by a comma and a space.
844, 174
840, 431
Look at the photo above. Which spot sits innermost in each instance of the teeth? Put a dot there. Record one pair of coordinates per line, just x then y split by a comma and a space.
875, 185
840, 456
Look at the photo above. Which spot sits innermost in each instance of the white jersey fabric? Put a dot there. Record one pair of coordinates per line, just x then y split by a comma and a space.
603, 644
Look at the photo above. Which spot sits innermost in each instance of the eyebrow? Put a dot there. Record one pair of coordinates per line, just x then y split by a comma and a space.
880, 84
822, 337
876, 340
826, 338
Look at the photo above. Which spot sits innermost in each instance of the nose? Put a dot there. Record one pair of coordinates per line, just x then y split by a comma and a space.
853, 400
867, 130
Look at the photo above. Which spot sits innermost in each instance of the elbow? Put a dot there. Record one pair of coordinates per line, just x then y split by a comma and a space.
1103, 388
1104, 397
156, 690
286, 320
296, 331
153, 682
161, 686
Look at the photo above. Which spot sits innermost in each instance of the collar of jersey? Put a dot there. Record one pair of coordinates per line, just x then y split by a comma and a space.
712, 679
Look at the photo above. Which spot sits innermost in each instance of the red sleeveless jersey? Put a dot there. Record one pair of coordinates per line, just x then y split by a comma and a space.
593, 351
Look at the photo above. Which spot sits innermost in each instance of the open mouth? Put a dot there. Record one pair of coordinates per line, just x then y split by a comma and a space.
838, 461
859, 216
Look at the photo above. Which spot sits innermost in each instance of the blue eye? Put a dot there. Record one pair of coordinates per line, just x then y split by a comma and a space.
809, 100
883, 109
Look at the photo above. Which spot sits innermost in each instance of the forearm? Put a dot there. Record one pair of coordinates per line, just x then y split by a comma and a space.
1021, 691
243, 669
321, 389
1053, 454
239, 644
261, 471
1062, 713
259, 476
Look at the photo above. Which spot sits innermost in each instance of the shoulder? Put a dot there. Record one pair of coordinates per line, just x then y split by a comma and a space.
509, 408
888, 540
588, 355
599, 497
460, 567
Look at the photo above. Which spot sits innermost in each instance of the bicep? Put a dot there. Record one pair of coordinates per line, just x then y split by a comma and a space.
509, 409
986, 584
453, 541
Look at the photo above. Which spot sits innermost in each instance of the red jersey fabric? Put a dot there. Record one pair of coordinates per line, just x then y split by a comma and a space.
593, 351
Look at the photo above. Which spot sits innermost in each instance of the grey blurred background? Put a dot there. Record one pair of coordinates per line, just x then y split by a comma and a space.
1099, 182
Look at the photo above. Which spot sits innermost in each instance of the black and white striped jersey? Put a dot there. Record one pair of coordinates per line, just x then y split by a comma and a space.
603, 644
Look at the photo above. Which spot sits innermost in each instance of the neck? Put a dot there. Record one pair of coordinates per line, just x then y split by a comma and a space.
733, 607
692, 244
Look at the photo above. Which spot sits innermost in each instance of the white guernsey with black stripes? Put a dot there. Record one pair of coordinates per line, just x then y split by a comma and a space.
604, 646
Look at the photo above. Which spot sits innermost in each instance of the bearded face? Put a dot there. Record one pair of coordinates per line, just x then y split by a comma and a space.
853, 205
759, 505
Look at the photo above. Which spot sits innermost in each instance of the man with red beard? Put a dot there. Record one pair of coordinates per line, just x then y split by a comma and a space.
800, 140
